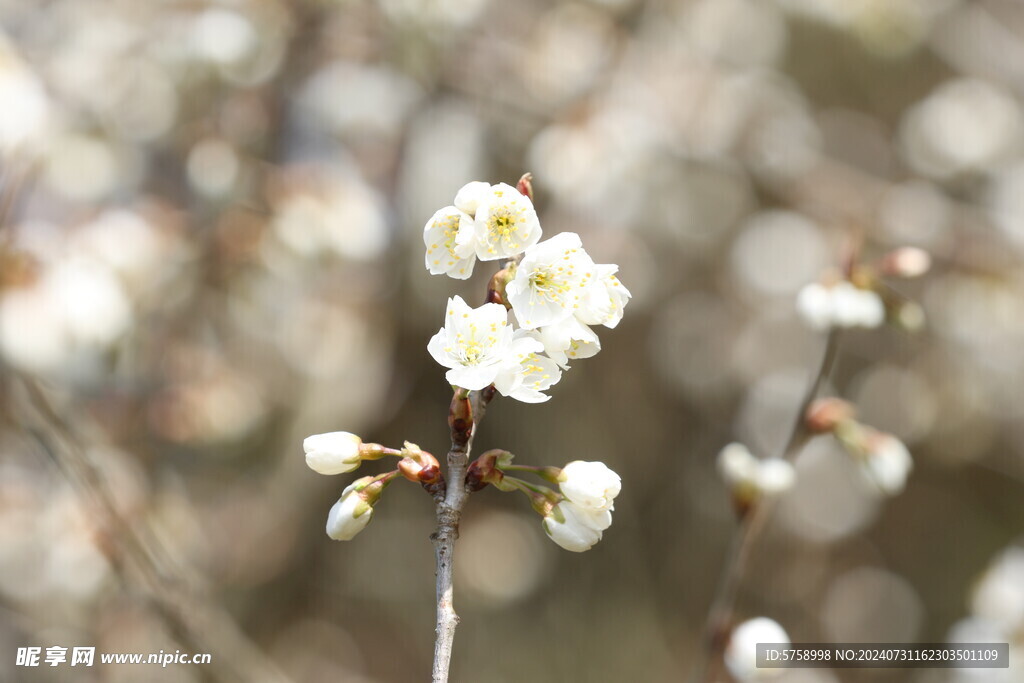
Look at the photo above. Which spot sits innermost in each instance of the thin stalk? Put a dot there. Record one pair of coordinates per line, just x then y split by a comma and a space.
716, 628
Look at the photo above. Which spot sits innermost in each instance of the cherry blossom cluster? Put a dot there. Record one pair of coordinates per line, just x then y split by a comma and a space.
577, 515
859, 297
543, 301
541, 304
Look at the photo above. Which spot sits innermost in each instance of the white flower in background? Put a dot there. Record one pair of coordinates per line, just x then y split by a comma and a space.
568, 339
330, 210
999, 596
223, 36
886, 463
747, 474
590, 485
477, 344
94, 305
550, 281
605, 298
77, 304
125, 242
964, 125
574, 528
333, 452
840, 305
506, 223
530, 375
467, 199
350, 514
449, 238
26, 106
741, 653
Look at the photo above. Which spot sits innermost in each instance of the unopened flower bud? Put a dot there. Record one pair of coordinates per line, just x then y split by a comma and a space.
574, 528
351, 513
825, 414
741, 653
888, 463
590, 485
884, 460
418, 465
496, 287
906, 262
750, 477
485, 470
460, 417
840, 305
525, 185
333, 453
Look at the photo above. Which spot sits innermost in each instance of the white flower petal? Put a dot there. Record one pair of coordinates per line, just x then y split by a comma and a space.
590, 485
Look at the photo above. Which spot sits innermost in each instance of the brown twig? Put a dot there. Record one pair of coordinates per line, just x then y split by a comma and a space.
717, 626
466, 412
188, 614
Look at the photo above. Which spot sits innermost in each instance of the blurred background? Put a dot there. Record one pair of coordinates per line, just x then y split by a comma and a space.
210, 248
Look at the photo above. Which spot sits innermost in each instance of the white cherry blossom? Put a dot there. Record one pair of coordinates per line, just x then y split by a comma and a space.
476, 344
605, 298
450, 242
506, 223
550, 281
469, 195
569, 339
530, 374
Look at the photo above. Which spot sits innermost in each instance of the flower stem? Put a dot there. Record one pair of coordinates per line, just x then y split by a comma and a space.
720, 616
466, 412
547, 473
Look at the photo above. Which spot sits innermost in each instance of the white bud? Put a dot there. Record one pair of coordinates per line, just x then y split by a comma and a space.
841, 305
590, 485
814, 304
332, 453
741, 653
349, 515
579, 529
745, 473
887, 463
907, 262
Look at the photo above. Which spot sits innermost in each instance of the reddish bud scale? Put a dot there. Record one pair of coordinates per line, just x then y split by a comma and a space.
825, 414
525, 185
496, 287
460, 419
474, 477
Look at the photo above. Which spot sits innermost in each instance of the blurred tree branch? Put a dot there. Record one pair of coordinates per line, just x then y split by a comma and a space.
186, 608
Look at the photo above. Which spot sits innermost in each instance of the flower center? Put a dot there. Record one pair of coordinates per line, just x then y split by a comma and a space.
502, 227
549, 285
